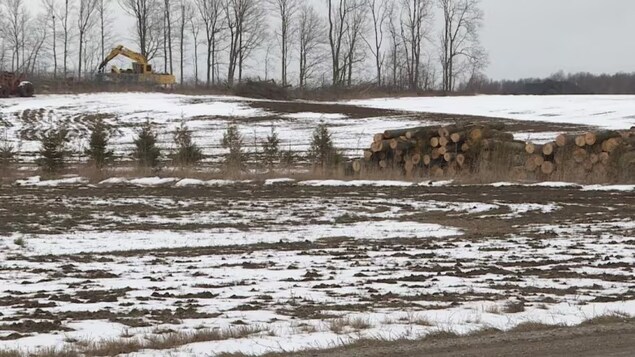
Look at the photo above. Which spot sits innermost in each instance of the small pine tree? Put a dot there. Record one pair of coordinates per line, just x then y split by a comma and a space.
53, 150
7, 152
187, 152
98, 145
146, 151
322, 153
233, 140
288, 158
271, 149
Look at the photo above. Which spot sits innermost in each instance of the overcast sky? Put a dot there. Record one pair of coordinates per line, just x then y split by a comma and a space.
535, 38
538, 37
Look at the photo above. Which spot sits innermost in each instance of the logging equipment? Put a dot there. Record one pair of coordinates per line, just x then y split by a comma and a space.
141, 71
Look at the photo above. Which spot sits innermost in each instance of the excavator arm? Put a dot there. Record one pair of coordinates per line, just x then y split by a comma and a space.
141, 71
121, 50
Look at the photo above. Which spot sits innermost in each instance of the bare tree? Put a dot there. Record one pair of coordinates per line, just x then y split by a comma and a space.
50, 8
379, 11
85, 21
416, 15
337, 15
285, 10
66, 32
14, 26
38, 34
195, 30
186, 12
211, 13
105, 24
245, 22
462, 20
167, 36
147, 16
395, 41
355, 25
310, 31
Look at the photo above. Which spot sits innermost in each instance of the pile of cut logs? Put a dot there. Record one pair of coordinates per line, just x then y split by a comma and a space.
450, 150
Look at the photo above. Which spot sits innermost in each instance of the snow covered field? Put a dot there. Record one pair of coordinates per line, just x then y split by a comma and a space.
208, 117
182, 266
611, 112
286, 265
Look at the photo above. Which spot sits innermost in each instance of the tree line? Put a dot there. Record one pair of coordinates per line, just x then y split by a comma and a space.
403, 44
557, 83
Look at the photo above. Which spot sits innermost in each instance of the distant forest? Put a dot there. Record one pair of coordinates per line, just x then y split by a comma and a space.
559, 83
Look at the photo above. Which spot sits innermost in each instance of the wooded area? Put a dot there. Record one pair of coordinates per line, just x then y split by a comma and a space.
390, 43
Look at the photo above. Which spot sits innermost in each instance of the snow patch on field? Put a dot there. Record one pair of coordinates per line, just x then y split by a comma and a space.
607, 111
315, 116
155, 106
35, 181
355, 183
85, 242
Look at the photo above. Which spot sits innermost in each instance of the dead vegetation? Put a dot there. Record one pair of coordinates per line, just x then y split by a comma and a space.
127, 345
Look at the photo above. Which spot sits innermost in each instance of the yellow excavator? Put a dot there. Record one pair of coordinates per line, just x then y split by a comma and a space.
141, 71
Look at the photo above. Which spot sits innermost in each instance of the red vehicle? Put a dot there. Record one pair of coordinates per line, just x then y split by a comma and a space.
12, 84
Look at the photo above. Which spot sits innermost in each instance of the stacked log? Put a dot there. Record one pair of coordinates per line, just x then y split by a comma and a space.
436, 151
591, 156
443, 151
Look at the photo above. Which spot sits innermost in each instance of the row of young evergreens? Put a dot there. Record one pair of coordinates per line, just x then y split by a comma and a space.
54, 153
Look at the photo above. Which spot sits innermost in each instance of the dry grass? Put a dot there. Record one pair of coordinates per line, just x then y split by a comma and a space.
610, 318
413, 319
533, 326
114, 347
513, 307
493, 309
356, 323
441, 334
44, 352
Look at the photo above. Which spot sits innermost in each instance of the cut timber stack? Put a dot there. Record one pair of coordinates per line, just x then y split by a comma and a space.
442, 151
451, 150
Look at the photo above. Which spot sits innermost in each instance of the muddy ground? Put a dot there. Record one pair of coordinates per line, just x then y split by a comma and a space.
615, 339
405, 259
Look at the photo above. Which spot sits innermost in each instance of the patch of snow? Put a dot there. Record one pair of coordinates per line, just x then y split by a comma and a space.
189, 183
316, 116
36, 182
503, 184
607, 111
624, 188
556, 184
152, 181
355, 183
277, 181
114, 181
436, 183
536, 138
76, 242
226, 182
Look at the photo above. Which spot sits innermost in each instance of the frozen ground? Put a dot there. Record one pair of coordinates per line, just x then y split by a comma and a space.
290, 265
23, 119
186, 267
612, 112
207, 116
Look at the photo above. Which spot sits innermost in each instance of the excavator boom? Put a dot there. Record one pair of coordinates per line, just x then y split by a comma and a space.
141, 69
121, 50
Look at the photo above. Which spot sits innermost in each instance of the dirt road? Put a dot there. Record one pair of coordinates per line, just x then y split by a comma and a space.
612, 340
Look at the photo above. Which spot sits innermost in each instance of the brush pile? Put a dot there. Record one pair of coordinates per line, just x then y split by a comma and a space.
479, 148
